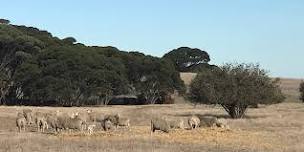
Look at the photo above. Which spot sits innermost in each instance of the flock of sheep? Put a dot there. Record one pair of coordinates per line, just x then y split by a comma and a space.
89, 121
194, 122
63, 121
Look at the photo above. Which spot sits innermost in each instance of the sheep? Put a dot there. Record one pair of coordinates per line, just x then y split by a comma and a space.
194, 122
65, 114
53, 122
92, 116
40, 121
74, 123
91, 129
67, 121
42, 125
28, 115
108, 125
84, 117
20, 122
160, 124
210, 121
113, 118
177, 124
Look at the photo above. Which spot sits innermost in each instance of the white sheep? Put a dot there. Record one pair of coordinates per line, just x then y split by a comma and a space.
194, 122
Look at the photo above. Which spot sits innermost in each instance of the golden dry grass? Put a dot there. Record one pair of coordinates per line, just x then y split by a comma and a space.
207, 136
275, 128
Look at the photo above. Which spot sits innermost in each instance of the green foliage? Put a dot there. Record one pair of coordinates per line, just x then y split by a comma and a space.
15, 49
149, 77
4, 21
41, 35
302, 91
41, 69
202, 67
185, 58
69, 40
235, 87
72, 76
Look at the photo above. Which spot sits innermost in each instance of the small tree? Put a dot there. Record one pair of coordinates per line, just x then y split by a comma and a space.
302, 91
235, 87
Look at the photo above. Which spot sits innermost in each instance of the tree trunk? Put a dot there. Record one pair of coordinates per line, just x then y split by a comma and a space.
236, 111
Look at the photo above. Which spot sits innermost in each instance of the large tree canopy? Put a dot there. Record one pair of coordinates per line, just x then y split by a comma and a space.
40, 69
15, 49
185, 58
235, 87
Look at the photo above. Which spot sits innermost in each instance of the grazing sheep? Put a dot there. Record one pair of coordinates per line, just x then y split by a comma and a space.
210, 121
75, 124
93, 116
28, 115
113, 118
61, 122
52, 122
194, 122
66, 121
177, 124
100, 118
108, 125
83, 116
160, 124
42, 125
222, 123
91, 129
20, 122
40, 121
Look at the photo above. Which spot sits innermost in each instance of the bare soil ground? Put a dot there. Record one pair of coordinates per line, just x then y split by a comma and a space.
275, 128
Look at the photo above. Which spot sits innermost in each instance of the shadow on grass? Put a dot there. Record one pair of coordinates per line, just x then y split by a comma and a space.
221, 116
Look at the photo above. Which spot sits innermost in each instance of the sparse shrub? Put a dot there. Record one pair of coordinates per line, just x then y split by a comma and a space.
302, 91
235, 87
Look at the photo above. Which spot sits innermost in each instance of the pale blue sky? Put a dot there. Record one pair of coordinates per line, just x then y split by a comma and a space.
269, 32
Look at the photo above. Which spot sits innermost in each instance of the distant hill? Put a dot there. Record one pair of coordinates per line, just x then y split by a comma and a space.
290, 87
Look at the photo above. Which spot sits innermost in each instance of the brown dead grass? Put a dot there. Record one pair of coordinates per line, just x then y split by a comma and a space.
272, 128
207, 136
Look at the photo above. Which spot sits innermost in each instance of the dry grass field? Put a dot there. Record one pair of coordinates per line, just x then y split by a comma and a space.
274, 128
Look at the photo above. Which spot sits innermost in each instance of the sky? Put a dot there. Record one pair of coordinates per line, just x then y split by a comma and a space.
268, 32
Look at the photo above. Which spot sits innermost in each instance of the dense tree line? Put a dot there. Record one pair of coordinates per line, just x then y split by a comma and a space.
302, 91
40, 69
